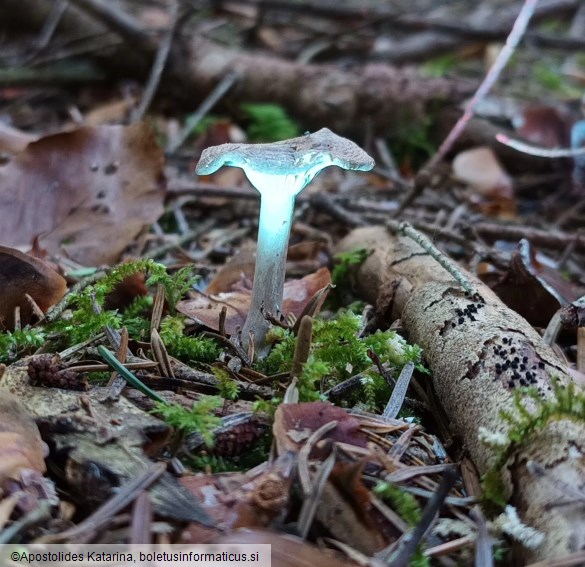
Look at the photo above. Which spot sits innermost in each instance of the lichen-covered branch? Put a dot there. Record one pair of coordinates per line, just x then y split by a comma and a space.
481, 354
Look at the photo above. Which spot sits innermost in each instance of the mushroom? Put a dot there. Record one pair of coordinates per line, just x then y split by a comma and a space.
279, 171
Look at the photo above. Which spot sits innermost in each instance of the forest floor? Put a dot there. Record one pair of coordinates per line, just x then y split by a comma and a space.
417, 400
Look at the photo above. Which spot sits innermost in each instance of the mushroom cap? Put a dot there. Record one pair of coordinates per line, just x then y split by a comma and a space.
297, 156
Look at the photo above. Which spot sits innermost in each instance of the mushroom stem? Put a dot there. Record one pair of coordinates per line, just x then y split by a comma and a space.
276, 209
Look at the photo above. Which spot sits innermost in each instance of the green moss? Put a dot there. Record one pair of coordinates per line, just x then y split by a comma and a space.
199, 419
267, 407
408, 509
566, 403
190, 350
439, 66
549, 76
412, 142
214, 463
82, 323
373, 385
404, 503
228, 388
14, 344
552, 26
337, 353
269, 123
313, 373
175, 285
136, 318
98, 378
580, 59
493, 491
345, 265
281, 355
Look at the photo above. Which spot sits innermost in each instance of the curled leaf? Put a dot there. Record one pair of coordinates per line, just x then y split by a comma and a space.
21, 274
21, 447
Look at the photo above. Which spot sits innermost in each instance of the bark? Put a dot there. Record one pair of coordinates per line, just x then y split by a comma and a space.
401, 280
377, 95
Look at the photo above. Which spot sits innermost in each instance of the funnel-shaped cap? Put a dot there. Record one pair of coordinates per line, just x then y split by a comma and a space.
295, 161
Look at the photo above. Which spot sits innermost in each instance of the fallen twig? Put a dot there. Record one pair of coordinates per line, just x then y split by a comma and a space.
210, 101
158, 66
492, 76
551, 153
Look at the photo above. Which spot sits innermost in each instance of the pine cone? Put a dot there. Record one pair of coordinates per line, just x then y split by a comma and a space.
238, 439
45, 370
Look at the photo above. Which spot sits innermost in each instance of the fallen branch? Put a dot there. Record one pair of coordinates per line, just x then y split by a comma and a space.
480, 353
449, 32
344, 100
555, 240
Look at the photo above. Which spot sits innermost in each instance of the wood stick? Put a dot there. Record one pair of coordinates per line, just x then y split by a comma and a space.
319, 95
471, 347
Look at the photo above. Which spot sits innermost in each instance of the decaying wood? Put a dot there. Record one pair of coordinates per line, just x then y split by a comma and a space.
319, 95
463, 339
103, 441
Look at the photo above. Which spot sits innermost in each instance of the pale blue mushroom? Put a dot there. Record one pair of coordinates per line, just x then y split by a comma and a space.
279, 171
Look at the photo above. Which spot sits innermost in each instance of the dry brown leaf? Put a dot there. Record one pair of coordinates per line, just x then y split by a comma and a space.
210, 490
295, 423
297, 293
238, 269
21, 446
480, 169
231, 177
308, 251
347, 478
88, 192
126, 291
110, 112
306, 257
224, 132
249, 503
220, 132
545, 126
21, 274
206, 309
345, 510
155, 18
531, 288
